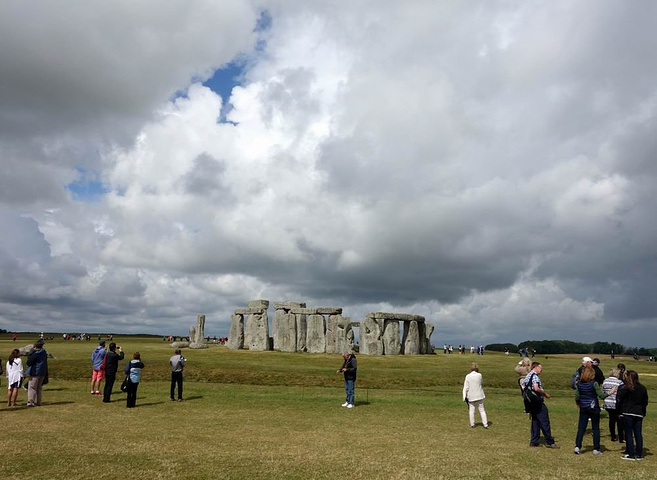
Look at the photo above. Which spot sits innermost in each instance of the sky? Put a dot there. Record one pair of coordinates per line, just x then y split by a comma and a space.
489, 165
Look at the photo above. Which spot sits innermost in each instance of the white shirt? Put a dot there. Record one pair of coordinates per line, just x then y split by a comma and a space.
14, 371
472, 389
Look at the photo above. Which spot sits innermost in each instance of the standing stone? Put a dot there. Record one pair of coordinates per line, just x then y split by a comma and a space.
411, 340
302, 332
422, 334
331, 332
391, 338
276, 320
370, 337
196, 334
428, 349
343, 343
257, 332
287, 332
236, 335
316, 334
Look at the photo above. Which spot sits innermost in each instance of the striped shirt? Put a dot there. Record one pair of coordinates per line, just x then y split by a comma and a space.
607, 387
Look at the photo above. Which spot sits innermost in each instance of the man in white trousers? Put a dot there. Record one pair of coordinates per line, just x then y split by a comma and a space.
473, 393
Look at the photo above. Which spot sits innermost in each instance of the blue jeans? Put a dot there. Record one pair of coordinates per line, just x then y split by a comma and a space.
633, 426
349, 389
541, 421
584, 414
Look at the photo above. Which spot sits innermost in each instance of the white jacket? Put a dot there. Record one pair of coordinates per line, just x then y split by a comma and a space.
472, 387
14, 371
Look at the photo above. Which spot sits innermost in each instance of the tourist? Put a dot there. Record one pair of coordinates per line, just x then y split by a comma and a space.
631, 402
177, 363
111, 366
586, 395
133, 371
349, 368
539, 413
608, 386
37, 360
473, 394
14, 372
599, 375
98, 367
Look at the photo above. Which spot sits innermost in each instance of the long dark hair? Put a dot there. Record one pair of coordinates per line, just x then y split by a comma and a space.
631, 379
15, 353
621, 368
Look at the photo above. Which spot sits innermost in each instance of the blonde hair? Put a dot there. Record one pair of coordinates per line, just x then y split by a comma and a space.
588, 374
474, 367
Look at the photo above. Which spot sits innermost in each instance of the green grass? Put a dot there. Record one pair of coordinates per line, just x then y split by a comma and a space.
261, 415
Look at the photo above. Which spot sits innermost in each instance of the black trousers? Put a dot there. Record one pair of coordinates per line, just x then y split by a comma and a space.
109, 384
177, 379
132, 394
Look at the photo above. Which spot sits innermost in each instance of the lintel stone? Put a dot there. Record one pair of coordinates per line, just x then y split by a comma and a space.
249, 311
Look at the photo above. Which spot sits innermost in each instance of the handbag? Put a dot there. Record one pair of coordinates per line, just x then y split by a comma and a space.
124, 384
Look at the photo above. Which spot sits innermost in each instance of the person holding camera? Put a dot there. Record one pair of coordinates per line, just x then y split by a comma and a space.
349, 369
111, 367
177, 363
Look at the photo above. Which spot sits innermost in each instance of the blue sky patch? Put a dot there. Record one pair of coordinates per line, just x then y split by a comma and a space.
86, 189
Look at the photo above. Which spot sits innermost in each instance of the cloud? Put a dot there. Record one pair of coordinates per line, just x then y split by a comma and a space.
486, 167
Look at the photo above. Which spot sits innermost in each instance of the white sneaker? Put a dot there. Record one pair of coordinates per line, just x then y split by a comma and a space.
627, 457
345, 404
597, 452
351, 405
576, 450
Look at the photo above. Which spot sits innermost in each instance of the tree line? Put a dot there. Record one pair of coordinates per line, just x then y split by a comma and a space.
566, 346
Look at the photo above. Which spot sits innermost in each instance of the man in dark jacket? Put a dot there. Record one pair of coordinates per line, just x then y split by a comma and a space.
111, 366
349, 369
37, 360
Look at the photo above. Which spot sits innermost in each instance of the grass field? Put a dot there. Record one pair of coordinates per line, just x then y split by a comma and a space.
261, 415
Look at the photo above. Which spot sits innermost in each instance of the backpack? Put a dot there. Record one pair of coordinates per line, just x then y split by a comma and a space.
574, 379
531, 396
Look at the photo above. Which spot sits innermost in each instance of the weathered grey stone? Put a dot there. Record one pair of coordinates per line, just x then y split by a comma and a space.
316, 334
274, 327
180, 345
402, 317
302, 332
304, 311
257, 332
250, 311
391, 338
286, 332
343, 341
25, 351
370, 337
422, 334
329, 310
288, 305
261, 304
411, 340
197, 334
236, 335
331, 328
428, 349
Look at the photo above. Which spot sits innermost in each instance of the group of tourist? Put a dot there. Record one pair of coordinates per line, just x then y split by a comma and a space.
36, 371
625, 399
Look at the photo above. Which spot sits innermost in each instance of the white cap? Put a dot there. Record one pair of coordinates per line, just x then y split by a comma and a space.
587, 359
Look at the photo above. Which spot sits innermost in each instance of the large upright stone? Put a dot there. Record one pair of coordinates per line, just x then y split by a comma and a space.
428, 349
411, 340
344, 342
316, 334
302, 332
370, 337
236, 335
275, 321
286, 332
257, 332
331, 329
391, 338
422, 334
196, 334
